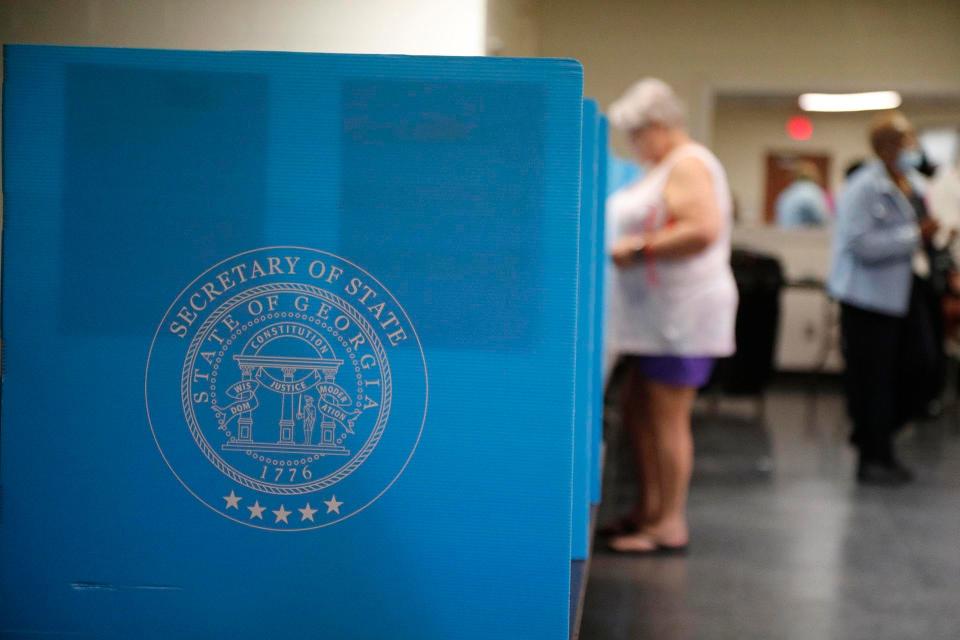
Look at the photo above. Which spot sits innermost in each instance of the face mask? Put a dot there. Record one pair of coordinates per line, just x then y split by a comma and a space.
909, 159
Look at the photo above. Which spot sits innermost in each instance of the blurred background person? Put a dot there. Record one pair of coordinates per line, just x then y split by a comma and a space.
888, 342
672, 303
853, 167
943, 196
803, 203
944, 199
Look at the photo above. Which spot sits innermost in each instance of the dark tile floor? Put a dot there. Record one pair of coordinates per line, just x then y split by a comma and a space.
784, 543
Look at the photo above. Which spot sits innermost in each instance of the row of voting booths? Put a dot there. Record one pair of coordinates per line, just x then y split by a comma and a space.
298, 345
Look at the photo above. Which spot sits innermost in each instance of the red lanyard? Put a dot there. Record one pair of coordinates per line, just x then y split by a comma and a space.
649, 261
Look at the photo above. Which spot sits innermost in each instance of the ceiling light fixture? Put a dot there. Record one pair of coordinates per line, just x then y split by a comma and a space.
869, 101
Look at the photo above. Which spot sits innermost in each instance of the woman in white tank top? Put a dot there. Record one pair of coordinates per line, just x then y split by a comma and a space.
671, 307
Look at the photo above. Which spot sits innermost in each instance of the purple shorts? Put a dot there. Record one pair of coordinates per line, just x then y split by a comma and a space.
679, 371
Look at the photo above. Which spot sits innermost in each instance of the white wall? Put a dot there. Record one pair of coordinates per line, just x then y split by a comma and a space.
513, 28
438, 27
704, 46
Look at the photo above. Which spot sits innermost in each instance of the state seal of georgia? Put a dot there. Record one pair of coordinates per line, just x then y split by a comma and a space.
286, 388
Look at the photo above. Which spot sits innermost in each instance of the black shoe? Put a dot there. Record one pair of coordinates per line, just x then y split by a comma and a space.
883, 474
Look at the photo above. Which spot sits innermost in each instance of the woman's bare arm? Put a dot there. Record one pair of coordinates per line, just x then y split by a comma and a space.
695, 221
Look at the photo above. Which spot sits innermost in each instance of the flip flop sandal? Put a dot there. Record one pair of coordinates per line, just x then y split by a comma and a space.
658, 549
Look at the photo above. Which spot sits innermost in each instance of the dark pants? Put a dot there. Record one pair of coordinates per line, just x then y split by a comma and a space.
890, 371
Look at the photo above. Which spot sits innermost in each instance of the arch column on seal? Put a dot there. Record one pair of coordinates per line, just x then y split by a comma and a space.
245, 421
286, 407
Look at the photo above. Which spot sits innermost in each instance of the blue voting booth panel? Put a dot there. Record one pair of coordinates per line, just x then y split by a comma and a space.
620, 172
289, 345
599, 267
583, 439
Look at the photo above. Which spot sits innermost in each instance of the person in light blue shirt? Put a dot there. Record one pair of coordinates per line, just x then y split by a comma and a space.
803, 203
881, 224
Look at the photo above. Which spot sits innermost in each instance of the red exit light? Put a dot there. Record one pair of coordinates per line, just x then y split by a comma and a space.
799, 128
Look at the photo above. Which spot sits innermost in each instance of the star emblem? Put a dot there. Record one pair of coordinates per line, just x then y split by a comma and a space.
233, 500
256, 511
333, 505
282, 514
307, 513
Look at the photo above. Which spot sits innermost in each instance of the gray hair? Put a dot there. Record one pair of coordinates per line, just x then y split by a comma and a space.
649, 101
